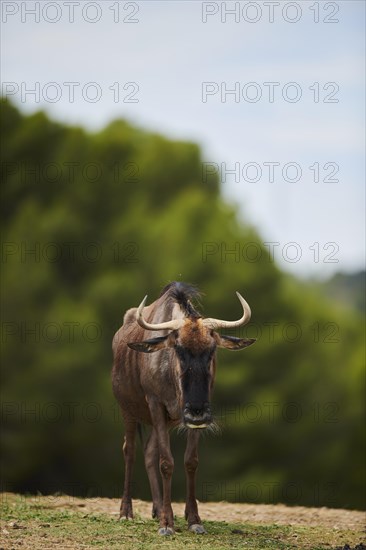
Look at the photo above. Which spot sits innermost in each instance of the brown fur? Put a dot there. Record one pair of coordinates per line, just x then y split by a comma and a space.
148, 389
194, 336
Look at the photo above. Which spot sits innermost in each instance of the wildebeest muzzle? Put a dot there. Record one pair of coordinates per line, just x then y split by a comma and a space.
197, 415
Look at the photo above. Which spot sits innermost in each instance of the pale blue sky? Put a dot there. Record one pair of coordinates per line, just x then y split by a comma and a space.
169, 52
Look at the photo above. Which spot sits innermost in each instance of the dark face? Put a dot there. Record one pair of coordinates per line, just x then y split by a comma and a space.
196, 379
195, 347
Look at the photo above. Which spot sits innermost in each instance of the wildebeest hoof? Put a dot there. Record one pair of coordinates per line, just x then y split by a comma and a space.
125, 518
166, 531
197, 528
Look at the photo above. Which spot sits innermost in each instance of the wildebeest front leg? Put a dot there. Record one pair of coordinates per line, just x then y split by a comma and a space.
166, 464
126, 511
191, 464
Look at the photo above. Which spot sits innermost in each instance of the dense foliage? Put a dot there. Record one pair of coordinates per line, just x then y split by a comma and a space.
93, 222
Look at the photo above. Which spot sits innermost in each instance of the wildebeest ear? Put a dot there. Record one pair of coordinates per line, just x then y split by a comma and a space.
233, 343
151, 345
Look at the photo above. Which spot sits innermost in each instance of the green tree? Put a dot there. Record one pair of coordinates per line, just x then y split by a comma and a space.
93, 222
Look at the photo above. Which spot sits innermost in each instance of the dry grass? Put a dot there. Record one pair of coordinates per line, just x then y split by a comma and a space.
48, 522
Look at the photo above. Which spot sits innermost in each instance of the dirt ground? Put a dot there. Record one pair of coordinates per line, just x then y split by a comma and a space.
67, 522
225, 511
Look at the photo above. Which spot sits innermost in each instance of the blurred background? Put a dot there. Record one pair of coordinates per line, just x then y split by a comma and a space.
215, 143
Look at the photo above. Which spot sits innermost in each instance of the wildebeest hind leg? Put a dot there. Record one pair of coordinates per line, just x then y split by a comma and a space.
152, 468
166, 465
126, 511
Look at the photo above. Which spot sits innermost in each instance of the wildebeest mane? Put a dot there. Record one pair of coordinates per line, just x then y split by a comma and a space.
183, 294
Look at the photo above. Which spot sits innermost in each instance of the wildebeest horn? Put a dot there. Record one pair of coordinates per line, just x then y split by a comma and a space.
217, 323
174, 324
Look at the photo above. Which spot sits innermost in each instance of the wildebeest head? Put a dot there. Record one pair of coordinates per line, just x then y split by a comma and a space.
194, 341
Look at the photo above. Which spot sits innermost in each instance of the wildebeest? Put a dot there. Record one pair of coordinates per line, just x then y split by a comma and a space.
169, 388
